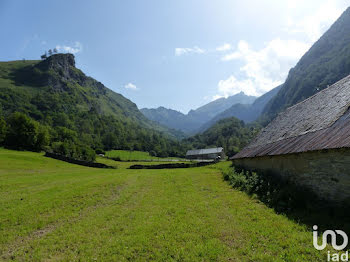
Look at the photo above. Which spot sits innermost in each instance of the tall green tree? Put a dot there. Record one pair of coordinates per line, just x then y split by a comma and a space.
25, 134
2, 130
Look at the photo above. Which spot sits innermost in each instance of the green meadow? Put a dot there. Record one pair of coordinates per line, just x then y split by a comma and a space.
125, 155
56, 211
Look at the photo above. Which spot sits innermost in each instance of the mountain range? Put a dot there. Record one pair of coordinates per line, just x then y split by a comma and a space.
190, 123
246, 112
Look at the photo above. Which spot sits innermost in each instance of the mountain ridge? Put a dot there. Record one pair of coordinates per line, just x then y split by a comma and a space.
190, 122
246, 112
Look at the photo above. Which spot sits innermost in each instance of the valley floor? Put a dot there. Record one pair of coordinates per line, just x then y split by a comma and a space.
55, 211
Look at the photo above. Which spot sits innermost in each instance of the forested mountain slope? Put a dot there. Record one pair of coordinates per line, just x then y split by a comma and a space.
60, 96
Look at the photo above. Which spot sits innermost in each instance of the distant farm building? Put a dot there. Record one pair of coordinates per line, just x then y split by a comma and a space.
308, 143
209, 153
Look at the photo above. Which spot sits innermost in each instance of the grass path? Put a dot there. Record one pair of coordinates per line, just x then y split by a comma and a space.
55, 211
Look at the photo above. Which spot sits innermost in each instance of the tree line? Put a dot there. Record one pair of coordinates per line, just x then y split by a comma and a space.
21, 132
230, 133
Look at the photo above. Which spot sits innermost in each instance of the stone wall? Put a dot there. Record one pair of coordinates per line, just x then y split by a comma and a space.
326, 173
76, 161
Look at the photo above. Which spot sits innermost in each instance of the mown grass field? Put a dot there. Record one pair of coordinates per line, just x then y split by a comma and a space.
55, 211
125, 155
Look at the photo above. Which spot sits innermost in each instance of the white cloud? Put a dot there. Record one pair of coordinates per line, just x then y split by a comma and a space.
131, 86
232, 86
313, 26
242, 48
224, 47
182, 51
76, 48
179, 51
263, 69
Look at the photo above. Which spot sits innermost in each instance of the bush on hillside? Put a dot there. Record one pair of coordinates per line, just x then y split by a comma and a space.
74, 151
276, 192
99, 151
2, 130
295, 201
24, 133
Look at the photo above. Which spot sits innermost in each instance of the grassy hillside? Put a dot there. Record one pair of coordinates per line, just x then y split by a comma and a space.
55, 211
327, 61
58, 95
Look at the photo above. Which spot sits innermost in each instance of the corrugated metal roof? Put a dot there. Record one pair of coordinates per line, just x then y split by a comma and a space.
319, 122
204, 151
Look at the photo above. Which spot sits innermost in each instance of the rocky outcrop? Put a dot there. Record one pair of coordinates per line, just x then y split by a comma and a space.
60, 63
60, 74
57, 70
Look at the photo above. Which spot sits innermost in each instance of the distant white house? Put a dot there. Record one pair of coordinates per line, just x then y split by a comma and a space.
209, 153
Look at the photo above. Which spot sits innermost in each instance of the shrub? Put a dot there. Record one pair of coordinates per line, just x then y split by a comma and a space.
152, 153
43, 138
24, 133
2, 130
99, 151
272, 190
74, 151
63, 133
87, 154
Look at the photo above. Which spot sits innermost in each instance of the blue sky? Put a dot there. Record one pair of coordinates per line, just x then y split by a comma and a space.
180, 54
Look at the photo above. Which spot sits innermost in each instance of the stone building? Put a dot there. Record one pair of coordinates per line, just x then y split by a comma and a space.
308, 144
